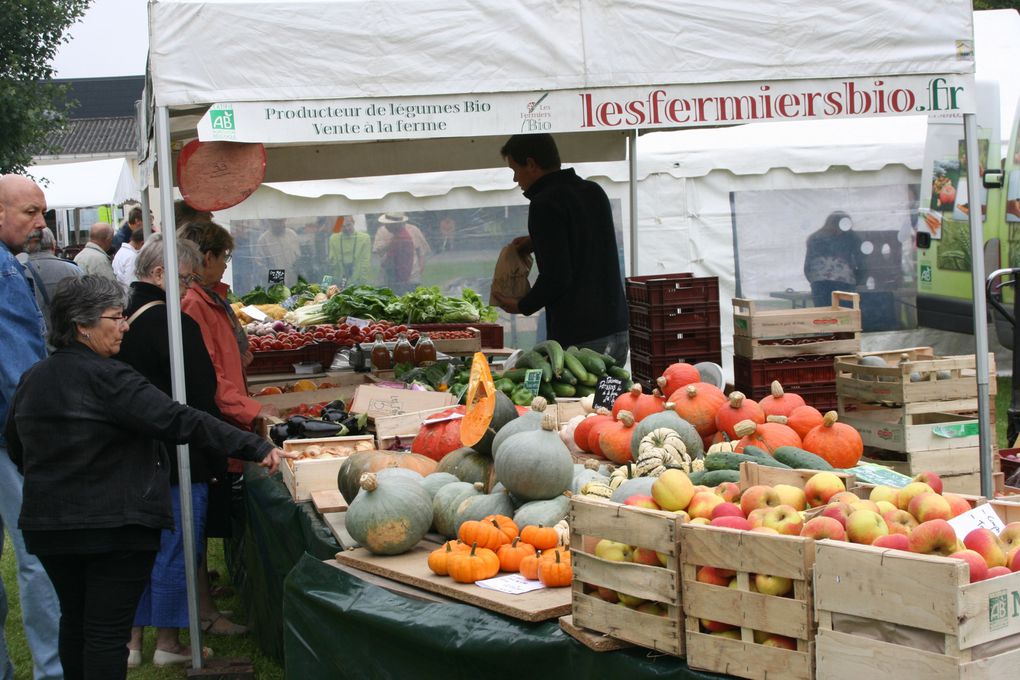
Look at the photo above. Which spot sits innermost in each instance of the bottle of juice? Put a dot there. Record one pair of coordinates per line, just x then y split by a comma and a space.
380, 355
403, 353
425, 350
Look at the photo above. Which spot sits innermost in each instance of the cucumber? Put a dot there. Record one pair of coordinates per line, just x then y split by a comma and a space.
591, 380
562, 389
752, 450
554, 351
590, 360
800, 459
532, 359
716, 477
545, 390
767, 461
575, 366
567, 377
618, 372
696, 477
583, 390
515, 374
726, 461
606, 359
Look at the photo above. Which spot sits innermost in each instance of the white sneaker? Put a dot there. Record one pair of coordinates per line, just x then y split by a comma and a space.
134, 658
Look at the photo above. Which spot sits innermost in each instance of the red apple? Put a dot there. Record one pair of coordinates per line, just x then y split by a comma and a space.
998, 571
715, 576
642, 501
959, 504
645, 556
978, 567
1010, 536
934, 537
900, 521
909, 491
864, 526
727, 509
785, 519
732, 522
728, 491
824, 527
820, 487
1013, 559
791, 495
928, 506
838, 511
703, 503
894, 541
780, 641
985, 543
759, 496
931, 479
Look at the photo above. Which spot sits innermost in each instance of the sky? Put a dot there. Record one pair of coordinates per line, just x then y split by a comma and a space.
112, 39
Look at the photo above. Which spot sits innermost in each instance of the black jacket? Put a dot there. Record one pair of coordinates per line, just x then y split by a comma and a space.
146, 348
579, 283
82, 430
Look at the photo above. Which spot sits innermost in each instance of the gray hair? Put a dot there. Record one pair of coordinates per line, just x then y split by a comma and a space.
81, 301
151, 256
40, 241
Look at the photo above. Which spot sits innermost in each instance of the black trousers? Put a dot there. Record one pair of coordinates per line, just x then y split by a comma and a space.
98, 597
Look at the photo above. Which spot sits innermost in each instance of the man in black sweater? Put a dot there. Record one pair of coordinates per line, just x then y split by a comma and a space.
571, 233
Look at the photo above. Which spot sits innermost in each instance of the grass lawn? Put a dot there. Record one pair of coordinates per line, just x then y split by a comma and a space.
241, 646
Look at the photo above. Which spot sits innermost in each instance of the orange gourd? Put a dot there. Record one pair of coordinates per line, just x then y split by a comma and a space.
539, 536
480, 402
838, 443
511, 554
529, 567
779, 402
555, 573
639, 404
768, 435
439, 558
596, 432
737, 408
698, 403
564, 553
505, 524
486, 534
803, 419
584, 428
614, 439
676, 376
468, 567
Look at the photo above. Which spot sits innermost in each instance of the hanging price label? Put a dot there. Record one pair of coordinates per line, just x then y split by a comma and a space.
533, 380
607, 390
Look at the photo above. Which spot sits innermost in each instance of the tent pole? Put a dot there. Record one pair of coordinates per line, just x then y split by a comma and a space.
173, 311
986, 436
632, 166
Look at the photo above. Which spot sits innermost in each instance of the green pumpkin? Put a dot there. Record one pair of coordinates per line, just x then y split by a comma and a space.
481, 506
446, 502
532, 420
503, 413
546, 513
669, 419
348, 479
535, 465
436, 481
638, 485
468, 465
390, 515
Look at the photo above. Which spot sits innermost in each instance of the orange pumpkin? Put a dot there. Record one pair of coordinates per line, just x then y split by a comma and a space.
539, 536
698, 403
555, 573
480, 402
529, 567
505, 524
639, 404
484, 533
767, 435
738, 407
803, 419
676, 376
583, 428
614, 438
780, 403
550, 554
596, 432
838, 443
436, 439
468, 567
511, 554
439, 558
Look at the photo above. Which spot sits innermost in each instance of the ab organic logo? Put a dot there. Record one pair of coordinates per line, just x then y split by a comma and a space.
926, 274
222, 119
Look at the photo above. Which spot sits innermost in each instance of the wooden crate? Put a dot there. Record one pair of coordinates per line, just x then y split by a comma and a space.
461, 345
658, 530
748, 553
752, 474
303, 476
913, 615
750, 321
892, 383
909, 427
756, 348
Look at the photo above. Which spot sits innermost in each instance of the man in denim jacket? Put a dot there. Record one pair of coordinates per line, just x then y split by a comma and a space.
22, 206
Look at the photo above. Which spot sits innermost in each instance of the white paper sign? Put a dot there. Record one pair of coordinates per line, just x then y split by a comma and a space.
981, 517
433, 421
356, 322
512, 584
254, 312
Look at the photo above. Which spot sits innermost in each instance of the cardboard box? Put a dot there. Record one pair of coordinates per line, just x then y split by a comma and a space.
303, 476
379, 402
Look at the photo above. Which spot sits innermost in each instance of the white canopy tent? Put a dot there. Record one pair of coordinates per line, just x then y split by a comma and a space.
344, 88
86, 183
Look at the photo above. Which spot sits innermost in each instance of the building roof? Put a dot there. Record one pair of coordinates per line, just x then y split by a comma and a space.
103, 121
104, 97
96, 136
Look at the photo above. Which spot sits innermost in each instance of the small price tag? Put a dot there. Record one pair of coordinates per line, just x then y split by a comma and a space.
533, 379
607, 390
327, 281
354, 321
869, 473
981, 517
254, 312
512, 584
276, 276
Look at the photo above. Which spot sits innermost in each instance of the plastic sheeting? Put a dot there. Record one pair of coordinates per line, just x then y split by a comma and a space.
338, 626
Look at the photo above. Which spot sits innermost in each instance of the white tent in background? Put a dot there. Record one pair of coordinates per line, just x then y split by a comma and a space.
87, 183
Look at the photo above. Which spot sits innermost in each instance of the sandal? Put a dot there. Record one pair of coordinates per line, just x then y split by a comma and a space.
222, 626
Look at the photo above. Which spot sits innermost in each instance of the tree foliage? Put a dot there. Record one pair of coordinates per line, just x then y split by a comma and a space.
996, 4
30, 105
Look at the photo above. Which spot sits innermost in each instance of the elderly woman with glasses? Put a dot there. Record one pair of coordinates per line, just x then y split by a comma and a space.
90, 434
146, 348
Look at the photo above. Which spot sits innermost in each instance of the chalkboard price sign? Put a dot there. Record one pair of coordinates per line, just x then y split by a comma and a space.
276, 276
607, 390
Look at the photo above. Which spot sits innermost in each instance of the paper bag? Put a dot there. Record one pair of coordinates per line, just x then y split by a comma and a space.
510, 277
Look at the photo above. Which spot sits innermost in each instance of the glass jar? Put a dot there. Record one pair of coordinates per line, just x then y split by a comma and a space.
381, 360
403, 353
425, 350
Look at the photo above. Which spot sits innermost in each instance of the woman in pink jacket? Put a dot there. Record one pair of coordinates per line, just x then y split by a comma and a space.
227, 345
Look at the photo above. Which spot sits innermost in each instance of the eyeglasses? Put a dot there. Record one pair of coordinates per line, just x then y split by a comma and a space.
119, 319
227, 256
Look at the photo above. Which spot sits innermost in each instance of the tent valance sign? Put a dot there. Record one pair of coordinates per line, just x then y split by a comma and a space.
665, 107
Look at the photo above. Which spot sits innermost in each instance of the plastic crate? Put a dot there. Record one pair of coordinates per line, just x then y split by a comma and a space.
671, 289
679, 343
693, 316
809, 370
646, 369
283, 360
492, 333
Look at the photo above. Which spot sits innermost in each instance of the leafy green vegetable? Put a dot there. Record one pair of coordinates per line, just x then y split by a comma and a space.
278, 293
257, 296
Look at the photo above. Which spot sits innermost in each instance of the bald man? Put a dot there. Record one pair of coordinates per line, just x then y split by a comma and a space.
93, 258
22, 206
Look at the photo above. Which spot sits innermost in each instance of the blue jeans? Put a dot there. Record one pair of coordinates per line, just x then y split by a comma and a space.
40, 609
